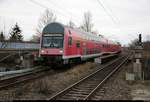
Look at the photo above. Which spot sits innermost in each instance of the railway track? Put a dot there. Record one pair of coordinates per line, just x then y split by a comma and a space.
85, 88
9, 82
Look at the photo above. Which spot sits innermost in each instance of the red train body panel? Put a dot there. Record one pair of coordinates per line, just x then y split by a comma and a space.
62, 44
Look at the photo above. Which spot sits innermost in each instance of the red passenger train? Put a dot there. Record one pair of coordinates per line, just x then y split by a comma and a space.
61, 44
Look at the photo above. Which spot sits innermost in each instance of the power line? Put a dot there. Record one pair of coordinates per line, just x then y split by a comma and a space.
38, 4
43, 6
112, 18
58, 6
108, 14
100, 3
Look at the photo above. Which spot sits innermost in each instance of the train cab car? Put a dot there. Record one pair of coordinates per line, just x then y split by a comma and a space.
52, 43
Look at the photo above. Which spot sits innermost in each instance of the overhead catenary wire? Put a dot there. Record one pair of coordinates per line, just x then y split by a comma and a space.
43, 6
75, 17
108, 14
114, 19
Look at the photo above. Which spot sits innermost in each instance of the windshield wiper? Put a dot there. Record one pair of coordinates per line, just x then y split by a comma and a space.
51, 45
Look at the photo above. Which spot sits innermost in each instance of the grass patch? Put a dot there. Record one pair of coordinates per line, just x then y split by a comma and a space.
146, 82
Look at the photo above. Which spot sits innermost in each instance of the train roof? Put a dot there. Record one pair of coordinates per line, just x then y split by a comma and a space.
59, 28
56, 27
53, 27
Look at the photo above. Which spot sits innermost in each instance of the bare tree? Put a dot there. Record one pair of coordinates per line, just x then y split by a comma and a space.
133, 43
146, 45
2, 36
71, 24
3, 40
46, 18
87, 22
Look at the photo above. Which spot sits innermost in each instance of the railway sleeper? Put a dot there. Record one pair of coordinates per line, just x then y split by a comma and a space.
87, 84
71, 98
86, 87
97, 97
99, 94
90, 83
78, 92
83, 92
95, 81
76, 95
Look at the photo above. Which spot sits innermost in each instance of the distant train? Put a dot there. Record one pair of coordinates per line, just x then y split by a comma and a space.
61, 44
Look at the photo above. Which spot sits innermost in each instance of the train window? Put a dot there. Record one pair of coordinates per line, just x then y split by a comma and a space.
70, 41
106, 46
77, 44
52, 42
103, 46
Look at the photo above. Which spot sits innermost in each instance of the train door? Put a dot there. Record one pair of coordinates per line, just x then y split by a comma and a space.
84, 50
78, 47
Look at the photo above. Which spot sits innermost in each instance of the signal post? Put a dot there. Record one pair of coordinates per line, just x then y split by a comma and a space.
136, 72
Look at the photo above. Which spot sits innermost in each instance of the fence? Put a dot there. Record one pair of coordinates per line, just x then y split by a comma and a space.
19, 45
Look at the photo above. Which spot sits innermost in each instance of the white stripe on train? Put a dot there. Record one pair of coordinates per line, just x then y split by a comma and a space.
86, 56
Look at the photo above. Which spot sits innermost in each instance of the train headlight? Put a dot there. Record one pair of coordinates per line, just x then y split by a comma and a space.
61, 51
42, 51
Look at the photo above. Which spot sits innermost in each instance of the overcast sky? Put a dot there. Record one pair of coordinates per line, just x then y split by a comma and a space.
120, 20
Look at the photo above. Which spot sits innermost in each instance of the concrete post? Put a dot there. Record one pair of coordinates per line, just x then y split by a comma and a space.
137, 69
98, 60
27, 61
137, 64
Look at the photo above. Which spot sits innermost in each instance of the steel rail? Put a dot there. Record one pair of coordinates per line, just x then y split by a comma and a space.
21, 78
105, 79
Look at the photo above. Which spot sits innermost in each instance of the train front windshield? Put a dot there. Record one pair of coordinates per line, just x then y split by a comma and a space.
52, 41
